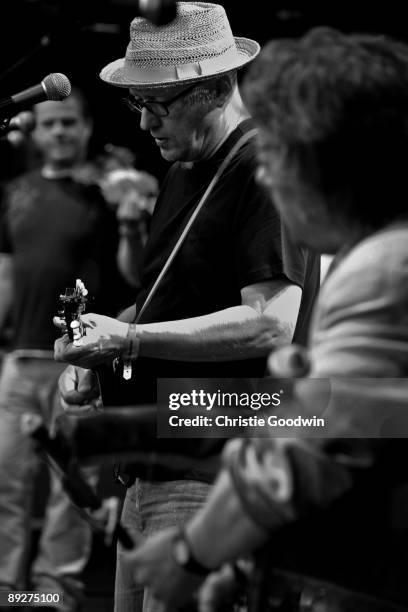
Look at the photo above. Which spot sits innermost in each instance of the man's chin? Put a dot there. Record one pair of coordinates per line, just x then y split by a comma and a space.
64, 160
169, 154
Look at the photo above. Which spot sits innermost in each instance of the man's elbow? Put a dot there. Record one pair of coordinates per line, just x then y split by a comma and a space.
280, 333
272, 333
276, 321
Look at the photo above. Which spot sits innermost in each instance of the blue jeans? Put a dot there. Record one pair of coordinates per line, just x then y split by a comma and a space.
150, 507
30, 385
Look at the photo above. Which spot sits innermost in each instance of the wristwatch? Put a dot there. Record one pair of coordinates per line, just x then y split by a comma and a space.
183, 555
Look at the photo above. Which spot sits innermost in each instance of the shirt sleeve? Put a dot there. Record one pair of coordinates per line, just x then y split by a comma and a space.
264, 250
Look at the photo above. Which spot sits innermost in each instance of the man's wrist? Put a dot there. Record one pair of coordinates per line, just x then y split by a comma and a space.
132, 342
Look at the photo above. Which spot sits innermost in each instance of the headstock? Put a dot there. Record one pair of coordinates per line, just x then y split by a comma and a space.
71, 305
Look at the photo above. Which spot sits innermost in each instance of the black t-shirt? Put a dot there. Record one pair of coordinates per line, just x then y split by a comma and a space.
236, 240
58, 230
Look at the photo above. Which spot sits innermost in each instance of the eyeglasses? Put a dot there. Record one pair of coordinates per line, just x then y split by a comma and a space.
159, 109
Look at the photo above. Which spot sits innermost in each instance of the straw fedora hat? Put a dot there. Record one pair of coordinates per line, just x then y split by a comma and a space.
196, 45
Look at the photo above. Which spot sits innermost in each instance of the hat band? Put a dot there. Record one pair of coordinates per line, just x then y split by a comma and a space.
207, 67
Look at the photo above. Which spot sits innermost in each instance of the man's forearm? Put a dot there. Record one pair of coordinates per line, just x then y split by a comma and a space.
132, 241
253, 329
236, 333
222, 530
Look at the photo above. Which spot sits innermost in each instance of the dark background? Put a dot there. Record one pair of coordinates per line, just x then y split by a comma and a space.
78, 37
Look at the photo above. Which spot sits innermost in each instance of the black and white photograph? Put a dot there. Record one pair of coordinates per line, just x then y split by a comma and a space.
203, 306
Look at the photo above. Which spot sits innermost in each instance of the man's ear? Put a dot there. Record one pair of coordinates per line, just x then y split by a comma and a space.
88, 129
223, 88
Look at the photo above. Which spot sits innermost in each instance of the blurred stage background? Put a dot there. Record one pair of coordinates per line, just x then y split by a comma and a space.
78, 37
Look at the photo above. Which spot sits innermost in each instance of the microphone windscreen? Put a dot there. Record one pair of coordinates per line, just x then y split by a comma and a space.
57, 86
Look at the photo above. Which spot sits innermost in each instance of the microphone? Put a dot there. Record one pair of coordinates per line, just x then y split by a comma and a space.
55, 86
159, 12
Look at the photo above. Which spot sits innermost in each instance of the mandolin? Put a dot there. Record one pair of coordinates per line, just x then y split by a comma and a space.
116, 390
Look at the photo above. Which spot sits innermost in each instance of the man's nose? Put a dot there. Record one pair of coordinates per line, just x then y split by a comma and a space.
58, 128
148, 120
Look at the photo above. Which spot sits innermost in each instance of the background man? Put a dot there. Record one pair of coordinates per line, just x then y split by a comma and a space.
54, 229
237, 285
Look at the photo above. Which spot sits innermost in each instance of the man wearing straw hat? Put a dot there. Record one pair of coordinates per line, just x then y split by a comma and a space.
234, 290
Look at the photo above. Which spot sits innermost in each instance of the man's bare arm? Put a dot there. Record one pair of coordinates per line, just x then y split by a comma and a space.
265, 319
